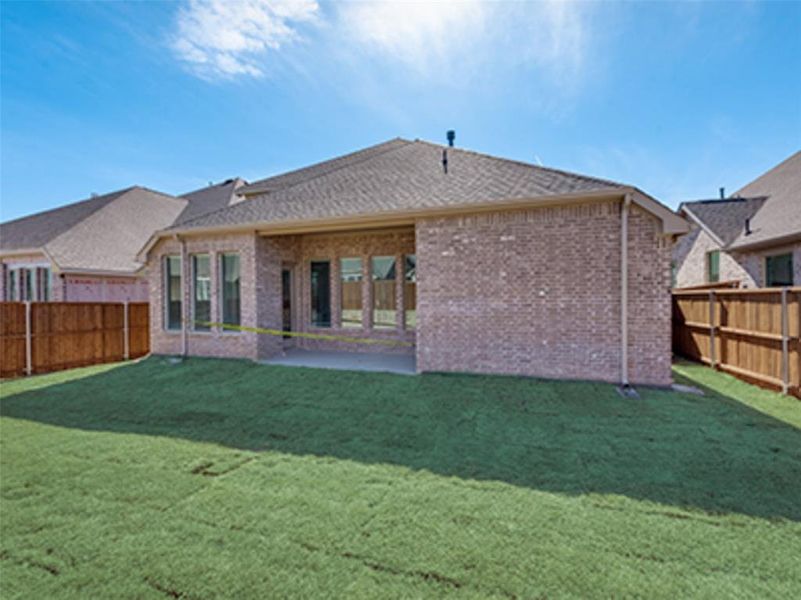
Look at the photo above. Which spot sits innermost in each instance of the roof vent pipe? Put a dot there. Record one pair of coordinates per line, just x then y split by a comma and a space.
723, 193
748, 226
451, 135
445, 161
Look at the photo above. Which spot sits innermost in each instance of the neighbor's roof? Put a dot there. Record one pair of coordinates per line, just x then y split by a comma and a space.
725, 219
395, 177
98, 234
210, 198
779, 219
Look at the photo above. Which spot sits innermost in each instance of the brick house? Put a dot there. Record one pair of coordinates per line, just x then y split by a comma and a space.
477, 263
751, 239
86, 251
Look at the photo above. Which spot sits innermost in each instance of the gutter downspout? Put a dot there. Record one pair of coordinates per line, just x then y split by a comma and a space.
624, 292
184, 298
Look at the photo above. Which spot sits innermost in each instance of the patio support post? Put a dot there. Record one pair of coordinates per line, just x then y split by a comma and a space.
28, 340
712, 357
785, 344
185, 298
624, 292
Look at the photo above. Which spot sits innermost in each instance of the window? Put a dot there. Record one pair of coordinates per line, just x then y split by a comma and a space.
321, 293
779, 270
384, 292
201, 292
410, 291
713, 266
43, 284
12, 280
174, 289
350, 273
231, 310
28, 284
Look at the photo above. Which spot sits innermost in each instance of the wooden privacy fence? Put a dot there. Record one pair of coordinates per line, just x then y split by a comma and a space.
753, 334
38, 337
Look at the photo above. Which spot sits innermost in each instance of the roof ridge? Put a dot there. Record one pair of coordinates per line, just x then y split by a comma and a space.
122, 193
226, 181
722, 200
335, 168
521, 163
70, 205
328, 172
152, 191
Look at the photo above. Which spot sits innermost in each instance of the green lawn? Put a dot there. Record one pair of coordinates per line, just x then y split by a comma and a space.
212, 479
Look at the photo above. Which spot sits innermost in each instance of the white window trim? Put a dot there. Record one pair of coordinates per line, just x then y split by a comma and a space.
765, 258
193, 294
221, 290
166, 293
15, 267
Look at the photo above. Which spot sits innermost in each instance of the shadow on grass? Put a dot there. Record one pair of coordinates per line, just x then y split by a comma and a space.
707, 452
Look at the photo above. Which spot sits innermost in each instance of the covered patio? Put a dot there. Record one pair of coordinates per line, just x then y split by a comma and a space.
402, 364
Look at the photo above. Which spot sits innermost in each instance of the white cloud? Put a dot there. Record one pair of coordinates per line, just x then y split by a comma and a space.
446, 40
223, 39
432, 35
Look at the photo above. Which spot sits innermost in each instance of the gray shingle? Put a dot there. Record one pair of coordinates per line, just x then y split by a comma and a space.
398, 175
725, 218
99, 234
780, 216
210, 198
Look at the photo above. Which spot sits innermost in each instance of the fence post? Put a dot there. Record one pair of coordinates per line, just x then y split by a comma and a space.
712, 358
28, 345
126, 331
785, 348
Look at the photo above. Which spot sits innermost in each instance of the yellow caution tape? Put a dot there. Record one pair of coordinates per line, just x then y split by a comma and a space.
308, 336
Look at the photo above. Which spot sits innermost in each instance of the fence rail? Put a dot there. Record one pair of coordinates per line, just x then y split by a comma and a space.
39, 337
754, 334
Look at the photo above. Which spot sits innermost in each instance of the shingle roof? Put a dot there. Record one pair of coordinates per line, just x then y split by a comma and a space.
772, 202
780, 216
725, 218
210, 198
394, 176
98, 234
37, 230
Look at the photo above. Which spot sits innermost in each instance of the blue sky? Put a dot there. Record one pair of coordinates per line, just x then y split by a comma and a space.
676, 98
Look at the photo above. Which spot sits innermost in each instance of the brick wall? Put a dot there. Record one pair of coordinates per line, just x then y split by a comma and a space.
215, 342
746, 267
300, 251
262, 260
692, 263
537, 292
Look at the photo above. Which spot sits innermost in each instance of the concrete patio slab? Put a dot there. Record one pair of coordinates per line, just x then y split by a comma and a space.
346, 361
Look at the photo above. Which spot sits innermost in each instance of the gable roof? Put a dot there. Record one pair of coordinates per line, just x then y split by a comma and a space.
400, 177
210, 198
772, 203
723, 219
98, 234
779, 219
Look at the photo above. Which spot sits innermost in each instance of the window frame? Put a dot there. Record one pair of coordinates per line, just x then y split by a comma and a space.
373, 280
166, 296
194, 299
221, 278
709, 256
312, 322
405, 283
774, 257
342, 281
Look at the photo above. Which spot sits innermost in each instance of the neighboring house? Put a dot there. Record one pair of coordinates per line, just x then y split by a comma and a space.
86, 251
477, 263
753, 237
